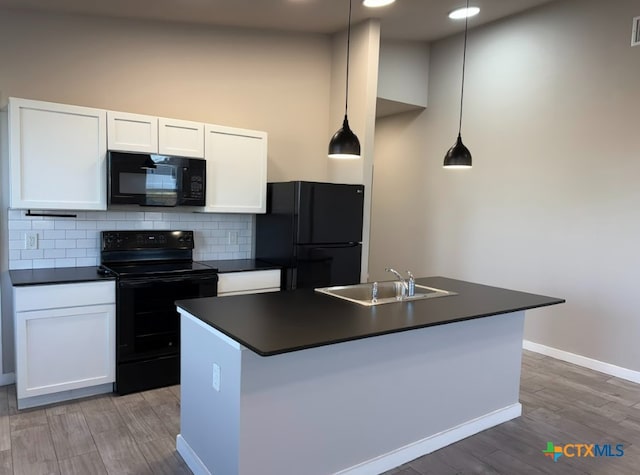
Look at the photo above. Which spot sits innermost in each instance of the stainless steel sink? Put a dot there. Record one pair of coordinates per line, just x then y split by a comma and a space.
388, 292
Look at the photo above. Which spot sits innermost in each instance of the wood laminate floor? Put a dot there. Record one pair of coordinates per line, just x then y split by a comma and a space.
135, 434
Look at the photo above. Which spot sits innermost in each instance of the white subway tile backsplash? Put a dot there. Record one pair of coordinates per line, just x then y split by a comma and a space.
152, 216
134, 216
46, 243
75, 234
87, 243
54, 253
65, 242
21, 264
76, 253
42, 225
65, 262
43, 263
51, 234
115, 216
29, 254
65, 223
87, 261
86, 225
19, 224
161, 225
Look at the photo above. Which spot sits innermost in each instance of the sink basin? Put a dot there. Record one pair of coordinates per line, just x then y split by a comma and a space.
388, 292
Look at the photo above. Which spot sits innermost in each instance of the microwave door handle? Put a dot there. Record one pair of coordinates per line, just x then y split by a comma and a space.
184, 176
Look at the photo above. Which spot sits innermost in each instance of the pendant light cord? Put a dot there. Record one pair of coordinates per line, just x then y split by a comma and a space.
464, 60
346, 96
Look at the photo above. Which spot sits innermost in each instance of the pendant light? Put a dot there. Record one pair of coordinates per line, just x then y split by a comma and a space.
459, 156
345, 144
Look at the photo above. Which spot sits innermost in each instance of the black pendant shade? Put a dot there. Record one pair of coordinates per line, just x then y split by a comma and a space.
344, 143
458, 156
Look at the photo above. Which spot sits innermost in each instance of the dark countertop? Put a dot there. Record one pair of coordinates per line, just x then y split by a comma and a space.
275, 323
60, 275
67, 275
239, 265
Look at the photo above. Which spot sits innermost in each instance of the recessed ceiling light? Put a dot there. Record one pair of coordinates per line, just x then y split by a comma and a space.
377, 3
461, 13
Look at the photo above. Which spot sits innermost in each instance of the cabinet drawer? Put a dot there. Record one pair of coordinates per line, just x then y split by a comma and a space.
249, 282
41, 297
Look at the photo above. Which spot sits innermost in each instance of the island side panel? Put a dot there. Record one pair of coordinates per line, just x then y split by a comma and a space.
368, 405
209, 418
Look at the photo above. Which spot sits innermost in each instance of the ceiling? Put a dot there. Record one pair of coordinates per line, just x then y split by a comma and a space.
423, 20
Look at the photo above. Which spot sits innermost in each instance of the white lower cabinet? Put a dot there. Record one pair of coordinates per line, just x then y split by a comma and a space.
65, 341
249, 282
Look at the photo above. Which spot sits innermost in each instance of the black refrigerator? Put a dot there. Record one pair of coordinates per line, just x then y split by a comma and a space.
314, 231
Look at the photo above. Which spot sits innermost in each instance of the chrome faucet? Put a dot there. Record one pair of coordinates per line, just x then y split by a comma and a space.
411, 290
409, 286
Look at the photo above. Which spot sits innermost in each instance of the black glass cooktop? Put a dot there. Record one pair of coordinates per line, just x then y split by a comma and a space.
145, 269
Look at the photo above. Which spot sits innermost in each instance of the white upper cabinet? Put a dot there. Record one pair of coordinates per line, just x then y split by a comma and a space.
180, 137
132, 132
57, 156
147, 134
236, 170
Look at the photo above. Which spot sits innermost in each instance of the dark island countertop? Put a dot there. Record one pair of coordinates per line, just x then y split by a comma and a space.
281, 322
59, 275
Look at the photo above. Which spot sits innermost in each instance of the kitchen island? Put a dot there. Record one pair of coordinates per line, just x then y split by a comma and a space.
300, 382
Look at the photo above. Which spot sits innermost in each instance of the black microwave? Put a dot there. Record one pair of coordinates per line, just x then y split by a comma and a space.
155, 180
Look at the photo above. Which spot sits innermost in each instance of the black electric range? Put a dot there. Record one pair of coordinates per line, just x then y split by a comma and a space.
153, 270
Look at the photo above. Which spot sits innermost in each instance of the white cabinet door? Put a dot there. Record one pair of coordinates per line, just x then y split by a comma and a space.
180, 137
236, 170
67, 348
63, 343
249, 282
132, 132
57, 156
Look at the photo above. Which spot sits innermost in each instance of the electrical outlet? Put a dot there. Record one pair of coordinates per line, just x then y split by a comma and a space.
31, 240
232, 237
216, 377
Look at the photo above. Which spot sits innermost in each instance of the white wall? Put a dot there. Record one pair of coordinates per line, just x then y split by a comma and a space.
551, 204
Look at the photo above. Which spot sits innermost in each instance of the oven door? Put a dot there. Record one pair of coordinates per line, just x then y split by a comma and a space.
147, 322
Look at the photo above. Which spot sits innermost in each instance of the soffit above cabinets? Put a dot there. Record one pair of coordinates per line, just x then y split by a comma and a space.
419, 20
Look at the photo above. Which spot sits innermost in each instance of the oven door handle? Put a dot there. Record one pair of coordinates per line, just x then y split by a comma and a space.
146, 282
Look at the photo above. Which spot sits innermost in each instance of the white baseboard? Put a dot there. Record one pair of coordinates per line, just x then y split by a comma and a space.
7, 378
601, 366
190, 458
430, 444
44, 399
